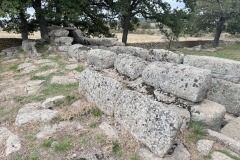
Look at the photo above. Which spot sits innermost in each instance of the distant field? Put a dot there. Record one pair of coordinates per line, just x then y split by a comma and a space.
132, 38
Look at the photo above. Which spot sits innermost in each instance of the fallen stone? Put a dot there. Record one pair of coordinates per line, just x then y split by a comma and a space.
29, 47
221, 68
109, 131
225, 93
163, 97
148, 121
230, 143
8, 141
63, 41
63, 80
51, 102
181, 80
10, 52
133, 51
32, 87
33, 112
204, 146
228, 118
232, 129
78, 52
165, 55
25, 68
50, 64
42, 61
62, 127
107, 42
130, 66
209, 114
100, 90
180, 153
219, 156
63, 48
59, 33
101, 58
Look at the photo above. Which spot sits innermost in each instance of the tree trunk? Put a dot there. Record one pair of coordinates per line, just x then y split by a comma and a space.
218, 32
23, 25
40, 18
126, 23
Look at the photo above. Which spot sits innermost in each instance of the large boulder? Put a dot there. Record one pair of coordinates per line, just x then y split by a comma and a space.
181, 80
221, 68
225, 93
130, 66
101, 58
100, 90
29, 47
59, 33
148, 121
209, 114
78, 52
108, 42
133, 51
10, 52
232, 129
165, 55
63, 41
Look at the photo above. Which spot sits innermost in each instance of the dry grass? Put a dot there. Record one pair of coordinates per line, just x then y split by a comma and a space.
133, 37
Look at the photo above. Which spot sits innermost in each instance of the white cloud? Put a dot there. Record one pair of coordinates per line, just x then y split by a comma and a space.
175, 4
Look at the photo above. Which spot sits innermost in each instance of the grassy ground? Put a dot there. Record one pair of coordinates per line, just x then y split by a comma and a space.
231, 51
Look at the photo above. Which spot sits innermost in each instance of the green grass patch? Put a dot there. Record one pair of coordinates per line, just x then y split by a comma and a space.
14, 67
29, 99
44, 68
18, 157
135, 157
197, 132
229, 154
79, 69
47, 143
64, 145
117, 149
45, 78
59, 89
231, 51
94, 124
97, 112
100, 138
36, 155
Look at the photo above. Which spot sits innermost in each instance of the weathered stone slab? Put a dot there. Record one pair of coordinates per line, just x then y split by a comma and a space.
63, 41
101, 58
109, 131
102, 41
229, 142
221, 68
63, 48
165, 55
232, 129
133, 51
10, 52
130, 66
50, 102
209, 114
149, 121
100, 90
181, 80
59, 33
219, 156
204, 146
78, 51
225, 93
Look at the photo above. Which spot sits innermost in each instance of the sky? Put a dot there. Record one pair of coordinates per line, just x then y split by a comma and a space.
173, 3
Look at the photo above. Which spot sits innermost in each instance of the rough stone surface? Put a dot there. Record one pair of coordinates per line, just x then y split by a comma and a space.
59, 33
209, 114
50, 102
133, 51
204, 146
63, 41
100, 90
12, 142
46, 73
232, 129
221, 68
25, 68
78, 51
165, 55
33, 112
67, 127
230, 143
63, 48
102, 41
33, 87
10, 52
225, 93
101, 58
181, 80
180, 153
130, 66
29, 47
148, 121
71, 66
163, 97
219, 156
109, 131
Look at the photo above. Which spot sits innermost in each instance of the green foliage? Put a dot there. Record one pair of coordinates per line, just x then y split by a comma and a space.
197, 132
58, 89
36, 155
97, 112
79, 69
117, 149
29, 99
136, 157
94, 124
47, 143
14, 67
64, 145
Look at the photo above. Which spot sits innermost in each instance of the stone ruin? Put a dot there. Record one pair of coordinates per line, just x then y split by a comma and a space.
155, 94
